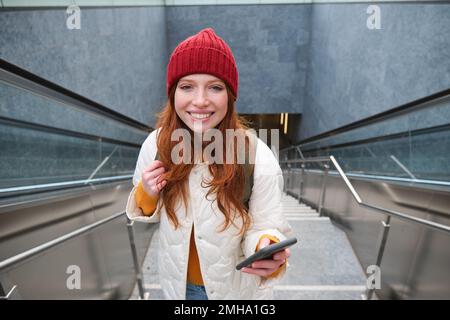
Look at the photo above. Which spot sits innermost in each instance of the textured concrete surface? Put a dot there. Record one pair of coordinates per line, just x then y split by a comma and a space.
319, 60
270, 44
117, 58
355, 72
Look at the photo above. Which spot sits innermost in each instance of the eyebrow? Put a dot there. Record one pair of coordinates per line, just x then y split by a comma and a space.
207, 82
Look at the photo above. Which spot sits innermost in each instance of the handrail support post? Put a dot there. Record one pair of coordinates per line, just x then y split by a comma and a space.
137, 268
383, 239
323, 189
302, 177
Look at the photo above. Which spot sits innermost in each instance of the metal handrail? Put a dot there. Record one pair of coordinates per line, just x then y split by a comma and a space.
60, 185
49, 244
300, 152
408, 107
17, 123
369, 176
358, 199
314, 159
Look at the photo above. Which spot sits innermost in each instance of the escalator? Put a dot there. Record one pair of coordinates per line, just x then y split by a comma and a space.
66, 173
395, 206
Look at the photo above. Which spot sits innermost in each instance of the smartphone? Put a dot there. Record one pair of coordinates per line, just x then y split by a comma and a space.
266, 252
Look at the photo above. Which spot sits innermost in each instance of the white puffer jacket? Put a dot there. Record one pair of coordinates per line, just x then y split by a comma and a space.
219, 252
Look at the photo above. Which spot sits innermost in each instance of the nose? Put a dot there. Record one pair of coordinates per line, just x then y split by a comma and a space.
200, 98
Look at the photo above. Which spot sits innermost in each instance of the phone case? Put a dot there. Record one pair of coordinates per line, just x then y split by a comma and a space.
266, 252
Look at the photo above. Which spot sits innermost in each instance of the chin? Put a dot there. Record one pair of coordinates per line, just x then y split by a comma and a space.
202, 130
200, 127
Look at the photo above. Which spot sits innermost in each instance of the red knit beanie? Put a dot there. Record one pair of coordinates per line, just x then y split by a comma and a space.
204, 52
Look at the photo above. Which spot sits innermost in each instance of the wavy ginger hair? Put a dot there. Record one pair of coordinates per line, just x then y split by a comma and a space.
228, 179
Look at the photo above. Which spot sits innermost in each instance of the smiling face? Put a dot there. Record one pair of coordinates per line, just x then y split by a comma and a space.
201, 101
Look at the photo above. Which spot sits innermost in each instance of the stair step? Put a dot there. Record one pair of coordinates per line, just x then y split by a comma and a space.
299, 212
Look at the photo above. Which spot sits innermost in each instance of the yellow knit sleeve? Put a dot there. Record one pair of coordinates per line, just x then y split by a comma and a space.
272, 239
144, 201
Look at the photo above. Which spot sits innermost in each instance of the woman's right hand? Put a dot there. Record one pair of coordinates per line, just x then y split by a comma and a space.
151, 181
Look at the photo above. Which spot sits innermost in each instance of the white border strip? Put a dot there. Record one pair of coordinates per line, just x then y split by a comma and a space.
166, 3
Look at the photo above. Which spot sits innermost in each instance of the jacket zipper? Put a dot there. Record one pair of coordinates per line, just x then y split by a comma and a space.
199, 262
187, 258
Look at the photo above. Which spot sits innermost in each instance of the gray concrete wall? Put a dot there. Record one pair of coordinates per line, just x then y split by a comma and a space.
270, 45
319, 60
355, 72
115, 58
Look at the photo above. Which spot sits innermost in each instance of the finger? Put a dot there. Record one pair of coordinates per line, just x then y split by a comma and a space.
149, 175
259, 272
264, 243
281, 255
161, 185
157, 172
267, 264
154, 165
155, 182
159, 179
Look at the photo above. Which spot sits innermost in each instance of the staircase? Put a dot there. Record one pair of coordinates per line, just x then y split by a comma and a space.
322, 264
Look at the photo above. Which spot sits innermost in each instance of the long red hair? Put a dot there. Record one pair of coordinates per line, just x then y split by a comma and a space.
228, 180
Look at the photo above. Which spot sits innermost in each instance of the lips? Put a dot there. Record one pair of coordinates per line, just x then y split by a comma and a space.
200, 116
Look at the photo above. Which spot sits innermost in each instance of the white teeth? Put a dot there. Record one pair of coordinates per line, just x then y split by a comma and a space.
200, 115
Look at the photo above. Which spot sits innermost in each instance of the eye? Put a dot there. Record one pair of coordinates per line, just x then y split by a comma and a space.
185, 87
217, 88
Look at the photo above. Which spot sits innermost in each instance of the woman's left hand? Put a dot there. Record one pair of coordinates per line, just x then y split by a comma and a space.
266, 267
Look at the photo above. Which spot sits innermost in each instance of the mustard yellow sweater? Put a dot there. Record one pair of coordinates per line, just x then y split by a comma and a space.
148, 203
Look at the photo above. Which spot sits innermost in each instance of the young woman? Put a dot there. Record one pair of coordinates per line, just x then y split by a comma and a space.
212, 214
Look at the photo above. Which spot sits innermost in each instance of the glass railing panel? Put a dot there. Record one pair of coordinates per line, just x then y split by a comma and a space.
32, 158
48, 141
21, 104
413, 145
115, 160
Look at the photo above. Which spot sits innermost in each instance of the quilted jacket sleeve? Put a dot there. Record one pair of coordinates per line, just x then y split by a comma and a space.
146, 157
265, 205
